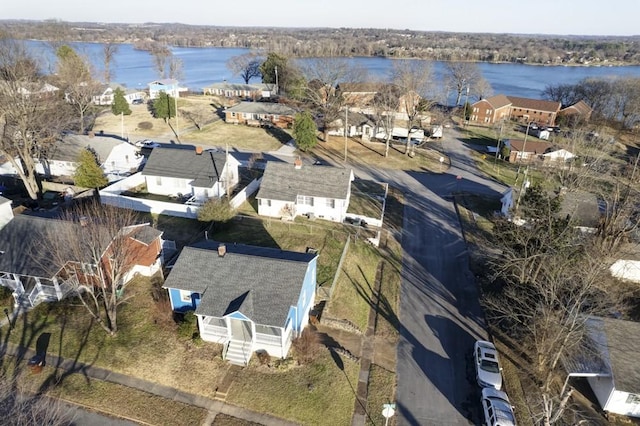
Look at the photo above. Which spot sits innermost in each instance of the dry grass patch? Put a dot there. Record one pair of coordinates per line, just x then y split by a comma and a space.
224, 420
353, 293
380, 390
371, 154
316, 394
237, 136
117, 400
146, 346
129, 125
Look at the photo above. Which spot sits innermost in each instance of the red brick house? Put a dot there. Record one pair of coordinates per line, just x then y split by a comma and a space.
260, 114
534, 110
500, 107
578, 111
491, 110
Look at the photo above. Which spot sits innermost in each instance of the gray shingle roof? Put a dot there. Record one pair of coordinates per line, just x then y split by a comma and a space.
144, 233
282, 181
69, 148
534, 104
262, 108
262, 283
619, 341
182, 162
22, 246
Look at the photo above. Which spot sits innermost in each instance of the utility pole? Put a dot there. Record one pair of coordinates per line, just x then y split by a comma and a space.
524, 146
277, 88
177, 122
346, 117
121, 125
495, 161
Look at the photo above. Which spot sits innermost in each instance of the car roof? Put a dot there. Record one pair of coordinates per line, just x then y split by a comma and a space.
501, 406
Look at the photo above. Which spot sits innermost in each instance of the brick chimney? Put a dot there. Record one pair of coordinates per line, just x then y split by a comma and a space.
298, 163
222, 250
199, 150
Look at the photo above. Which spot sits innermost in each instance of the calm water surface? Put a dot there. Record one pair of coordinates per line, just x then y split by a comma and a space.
204, 66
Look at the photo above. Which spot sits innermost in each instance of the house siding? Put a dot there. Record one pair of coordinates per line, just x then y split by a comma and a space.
273, 208
168, 185
179, 305
618, 404
602, 388
306, 299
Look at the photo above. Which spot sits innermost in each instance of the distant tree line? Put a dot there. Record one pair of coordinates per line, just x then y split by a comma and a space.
321, 42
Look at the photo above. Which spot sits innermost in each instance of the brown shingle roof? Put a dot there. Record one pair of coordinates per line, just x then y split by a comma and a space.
534, 104
579, 107
533, 146
360, 87
498, 101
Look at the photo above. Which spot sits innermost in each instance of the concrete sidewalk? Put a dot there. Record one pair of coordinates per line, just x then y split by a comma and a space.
214, 407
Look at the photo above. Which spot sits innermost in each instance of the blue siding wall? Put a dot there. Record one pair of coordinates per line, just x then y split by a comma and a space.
179, 306
307, 294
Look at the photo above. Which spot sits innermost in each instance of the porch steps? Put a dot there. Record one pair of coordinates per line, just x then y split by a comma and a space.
239, 352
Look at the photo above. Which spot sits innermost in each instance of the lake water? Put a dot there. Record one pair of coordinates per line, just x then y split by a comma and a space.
204, 66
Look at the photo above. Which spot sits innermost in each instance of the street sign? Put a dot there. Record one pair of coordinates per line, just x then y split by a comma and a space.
388, 410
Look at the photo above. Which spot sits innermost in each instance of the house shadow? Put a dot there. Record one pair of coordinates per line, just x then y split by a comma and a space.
282, 136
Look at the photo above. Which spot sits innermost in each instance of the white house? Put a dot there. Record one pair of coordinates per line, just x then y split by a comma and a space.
610, 364
559, 156
358, 124
167, 85
106, 97
117, 158
6, 213
240, 90
289, 190
190, 172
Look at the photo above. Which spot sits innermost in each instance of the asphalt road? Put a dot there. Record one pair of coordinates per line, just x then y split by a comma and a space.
440, 313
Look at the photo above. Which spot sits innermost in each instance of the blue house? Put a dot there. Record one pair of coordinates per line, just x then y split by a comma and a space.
246, 298
167, 85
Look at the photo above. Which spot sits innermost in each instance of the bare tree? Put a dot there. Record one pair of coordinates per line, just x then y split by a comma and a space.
462, 76
549, 278
386, 103
75, 78
96, 253
482, 89
109, 51
414, 80
247, 66
175, 68
161, 54
322, 76
32, 114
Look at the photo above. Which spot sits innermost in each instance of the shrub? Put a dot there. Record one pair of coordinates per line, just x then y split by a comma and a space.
145, 125
263, 357
216, 210
188, 328
306, 347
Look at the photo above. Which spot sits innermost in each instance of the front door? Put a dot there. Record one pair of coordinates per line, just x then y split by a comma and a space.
240, 330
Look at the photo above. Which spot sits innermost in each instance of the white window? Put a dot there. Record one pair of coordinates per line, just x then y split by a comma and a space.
331, 203
185, 296
159, 180
304, 200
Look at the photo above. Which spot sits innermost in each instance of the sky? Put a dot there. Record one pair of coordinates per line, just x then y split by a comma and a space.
562, 17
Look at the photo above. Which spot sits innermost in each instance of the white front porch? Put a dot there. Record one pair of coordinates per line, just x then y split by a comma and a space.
242, 337
31, 291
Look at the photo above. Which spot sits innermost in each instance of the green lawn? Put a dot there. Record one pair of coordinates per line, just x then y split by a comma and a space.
381, 390
366, 198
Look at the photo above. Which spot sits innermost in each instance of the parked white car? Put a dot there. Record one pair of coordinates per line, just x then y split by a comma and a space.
488, 371
496, 408
146, 143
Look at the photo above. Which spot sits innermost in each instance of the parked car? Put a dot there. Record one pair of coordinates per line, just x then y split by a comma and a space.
51, 199
496, 408
146, 143
137, 102
488, 371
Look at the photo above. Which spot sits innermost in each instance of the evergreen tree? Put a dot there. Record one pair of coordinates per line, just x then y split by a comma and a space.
304, 131
164, 107
88, 173
120, 104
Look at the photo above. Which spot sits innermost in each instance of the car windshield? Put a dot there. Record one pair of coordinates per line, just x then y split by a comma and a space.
490, 366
